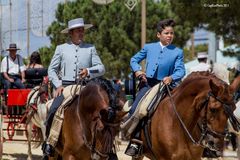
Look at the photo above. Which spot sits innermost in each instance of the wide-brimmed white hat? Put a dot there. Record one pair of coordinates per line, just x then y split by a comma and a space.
201, 55
76, 23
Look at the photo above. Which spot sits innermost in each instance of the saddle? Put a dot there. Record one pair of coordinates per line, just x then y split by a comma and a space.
69, 93
146, 106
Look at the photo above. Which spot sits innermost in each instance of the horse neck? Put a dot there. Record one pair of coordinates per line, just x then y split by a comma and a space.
188, 101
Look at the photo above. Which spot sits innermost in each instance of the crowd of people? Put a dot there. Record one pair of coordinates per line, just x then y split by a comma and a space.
76, 59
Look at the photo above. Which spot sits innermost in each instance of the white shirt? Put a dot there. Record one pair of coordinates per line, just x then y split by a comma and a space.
13, 65
200, 67
162, 45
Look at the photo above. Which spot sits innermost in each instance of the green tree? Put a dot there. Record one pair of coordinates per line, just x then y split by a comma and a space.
220, 16
116, 32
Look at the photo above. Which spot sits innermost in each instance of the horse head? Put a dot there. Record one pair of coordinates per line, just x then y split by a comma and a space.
216, 109
100, 113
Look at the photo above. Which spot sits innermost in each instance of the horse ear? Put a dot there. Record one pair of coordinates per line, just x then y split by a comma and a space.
214, 87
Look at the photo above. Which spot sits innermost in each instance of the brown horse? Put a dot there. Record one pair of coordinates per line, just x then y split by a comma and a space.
87, 133
198, 108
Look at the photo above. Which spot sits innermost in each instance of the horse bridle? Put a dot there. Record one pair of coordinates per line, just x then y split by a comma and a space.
95, 153
205, 130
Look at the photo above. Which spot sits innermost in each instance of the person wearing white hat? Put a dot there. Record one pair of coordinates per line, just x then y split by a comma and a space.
203, 65
71, 61
13, 69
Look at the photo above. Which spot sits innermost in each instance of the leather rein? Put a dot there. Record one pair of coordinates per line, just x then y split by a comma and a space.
205, 130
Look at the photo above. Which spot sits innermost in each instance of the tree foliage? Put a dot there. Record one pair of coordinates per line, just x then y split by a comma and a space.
116, 32
220, 16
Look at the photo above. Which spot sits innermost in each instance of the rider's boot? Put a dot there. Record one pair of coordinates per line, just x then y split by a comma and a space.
134, 148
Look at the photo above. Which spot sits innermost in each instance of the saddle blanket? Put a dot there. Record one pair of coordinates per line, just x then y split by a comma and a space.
69, 93
148, 101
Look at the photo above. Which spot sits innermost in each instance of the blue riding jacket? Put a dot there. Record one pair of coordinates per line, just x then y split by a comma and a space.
160, 62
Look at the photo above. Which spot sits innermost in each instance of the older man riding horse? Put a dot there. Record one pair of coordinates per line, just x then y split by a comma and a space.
184, 120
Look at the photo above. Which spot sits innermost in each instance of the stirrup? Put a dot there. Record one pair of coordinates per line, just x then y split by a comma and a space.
138, 150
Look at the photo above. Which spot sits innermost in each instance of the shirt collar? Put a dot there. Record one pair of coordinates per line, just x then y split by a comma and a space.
162, 45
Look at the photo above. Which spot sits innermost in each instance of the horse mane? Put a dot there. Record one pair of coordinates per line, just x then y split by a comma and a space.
198, 76
108, 87
109, 132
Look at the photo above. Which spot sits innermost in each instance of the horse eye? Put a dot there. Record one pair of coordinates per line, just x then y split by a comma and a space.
213, 110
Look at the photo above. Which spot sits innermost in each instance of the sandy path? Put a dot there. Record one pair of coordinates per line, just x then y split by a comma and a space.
18, 151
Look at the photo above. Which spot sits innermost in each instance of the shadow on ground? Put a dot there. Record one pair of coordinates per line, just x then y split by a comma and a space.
19, 156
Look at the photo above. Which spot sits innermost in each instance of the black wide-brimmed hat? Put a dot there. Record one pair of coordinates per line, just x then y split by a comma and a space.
12, 46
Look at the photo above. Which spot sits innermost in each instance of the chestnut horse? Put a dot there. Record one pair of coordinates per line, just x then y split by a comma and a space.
87, 132
197, 109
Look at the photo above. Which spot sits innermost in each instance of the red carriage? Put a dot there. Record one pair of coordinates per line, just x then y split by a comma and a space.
13, 107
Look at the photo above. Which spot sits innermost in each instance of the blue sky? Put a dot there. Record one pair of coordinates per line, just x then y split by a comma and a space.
39, 23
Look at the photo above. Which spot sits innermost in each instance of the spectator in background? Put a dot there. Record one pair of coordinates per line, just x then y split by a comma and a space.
203, 65
117, 85
13, 69
35, 61
35, 71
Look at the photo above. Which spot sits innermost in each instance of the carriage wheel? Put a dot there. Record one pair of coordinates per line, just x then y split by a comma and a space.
10, 130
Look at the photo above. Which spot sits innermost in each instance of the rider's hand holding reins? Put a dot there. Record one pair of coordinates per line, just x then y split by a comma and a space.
167, 80
58, 91
83, 73
141, 76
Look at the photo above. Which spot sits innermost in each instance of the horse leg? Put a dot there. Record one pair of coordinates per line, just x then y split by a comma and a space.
43, 129
29, 137
42, 112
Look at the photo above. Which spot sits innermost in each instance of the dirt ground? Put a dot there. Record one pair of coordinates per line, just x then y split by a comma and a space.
18, 151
